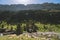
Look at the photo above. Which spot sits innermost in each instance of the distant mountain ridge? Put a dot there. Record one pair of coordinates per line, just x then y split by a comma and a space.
17, 7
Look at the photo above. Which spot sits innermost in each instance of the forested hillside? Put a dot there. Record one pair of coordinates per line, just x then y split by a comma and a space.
43, 16
30, 24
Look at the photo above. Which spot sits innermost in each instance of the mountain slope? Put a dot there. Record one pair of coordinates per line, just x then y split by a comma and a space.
17, 7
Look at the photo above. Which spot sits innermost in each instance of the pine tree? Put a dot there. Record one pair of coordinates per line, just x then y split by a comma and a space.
19, 29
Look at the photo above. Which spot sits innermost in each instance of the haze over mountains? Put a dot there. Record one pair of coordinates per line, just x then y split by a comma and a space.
17, 7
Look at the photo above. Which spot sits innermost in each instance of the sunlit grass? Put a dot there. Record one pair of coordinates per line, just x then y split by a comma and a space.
53, 27
24, 37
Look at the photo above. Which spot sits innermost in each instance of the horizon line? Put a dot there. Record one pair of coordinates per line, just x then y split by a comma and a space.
28, 3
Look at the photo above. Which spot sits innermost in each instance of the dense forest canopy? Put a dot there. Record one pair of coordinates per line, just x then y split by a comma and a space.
43, 16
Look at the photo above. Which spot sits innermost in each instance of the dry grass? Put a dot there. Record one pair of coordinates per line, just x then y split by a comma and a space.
24, 37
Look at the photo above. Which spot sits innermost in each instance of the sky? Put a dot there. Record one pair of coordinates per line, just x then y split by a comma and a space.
25, 2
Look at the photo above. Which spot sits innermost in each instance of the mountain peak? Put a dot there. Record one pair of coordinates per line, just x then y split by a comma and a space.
17, 7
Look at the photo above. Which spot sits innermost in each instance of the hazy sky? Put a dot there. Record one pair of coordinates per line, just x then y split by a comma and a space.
27, 1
